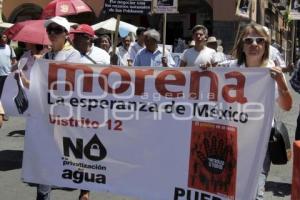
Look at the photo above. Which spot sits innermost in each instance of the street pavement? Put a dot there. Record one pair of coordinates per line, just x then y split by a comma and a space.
12, 188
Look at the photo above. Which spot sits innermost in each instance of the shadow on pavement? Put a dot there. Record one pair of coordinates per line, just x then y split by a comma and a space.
17, 133
278, 189
10, 160
53, 187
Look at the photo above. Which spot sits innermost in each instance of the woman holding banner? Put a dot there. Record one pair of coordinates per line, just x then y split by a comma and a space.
58, 32
252, 50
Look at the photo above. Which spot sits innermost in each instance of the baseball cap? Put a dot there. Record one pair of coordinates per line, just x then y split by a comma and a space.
211, 39
84, 28
60, 21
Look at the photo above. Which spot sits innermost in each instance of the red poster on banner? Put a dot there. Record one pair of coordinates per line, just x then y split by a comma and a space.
213, 158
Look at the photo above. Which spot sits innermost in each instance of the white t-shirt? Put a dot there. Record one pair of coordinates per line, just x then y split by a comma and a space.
68, 54
100, 56
195, 58
6, 54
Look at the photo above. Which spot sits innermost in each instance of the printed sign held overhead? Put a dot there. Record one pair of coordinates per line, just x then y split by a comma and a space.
295, 9
139, 7
243, 8
165, 6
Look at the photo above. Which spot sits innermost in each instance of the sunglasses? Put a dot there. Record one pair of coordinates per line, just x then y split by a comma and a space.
250, 40
56, 30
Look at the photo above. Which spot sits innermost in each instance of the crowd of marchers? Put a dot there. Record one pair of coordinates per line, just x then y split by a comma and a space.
253, 49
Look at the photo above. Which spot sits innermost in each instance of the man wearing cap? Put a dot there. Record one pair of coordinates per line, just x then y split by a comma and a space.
152, 55
219, 56
58, 32
83, 42
200, 54
212, 42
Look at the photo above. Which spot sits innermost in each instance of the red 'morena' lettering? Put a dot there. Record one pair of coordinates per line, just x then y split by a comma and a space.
124, 82
140, 75
70, 76
239, 88
161, 82
195, 84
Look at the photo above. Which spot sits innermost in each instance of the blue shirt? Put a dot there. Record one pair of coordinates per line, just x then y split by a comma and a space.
147, 58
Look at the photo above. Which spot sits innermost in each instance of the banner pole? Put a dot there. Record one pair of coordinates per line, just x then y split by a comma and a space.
116, 34
164, 33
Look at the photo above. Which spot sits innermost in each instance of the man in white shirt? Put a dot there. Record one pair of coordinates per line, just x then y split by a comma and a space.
123, 53
7, 59
219, 56
83, 42
200, 54
139, 44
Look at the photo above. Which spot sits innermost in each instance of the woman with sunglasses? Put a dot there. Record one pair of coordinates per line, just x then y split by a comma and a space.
58, 32
252, 50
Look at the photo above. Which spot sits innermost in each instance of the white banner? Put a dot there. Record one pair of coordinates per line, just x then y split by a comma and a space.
150, 133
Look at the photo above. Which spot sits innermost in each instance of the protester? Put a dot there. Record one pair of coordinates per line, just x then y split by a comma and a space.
7, 59
138, 44
123, 53
5, 39
212, 42
152, 55
276, 56
200, 54
58, 32
103, 42
83, 38
33, 52
83, 42
219, 56
252, 50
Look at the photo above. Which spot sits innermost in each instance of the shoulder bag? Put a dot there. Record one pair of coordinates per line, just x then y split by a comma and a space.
279, 144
